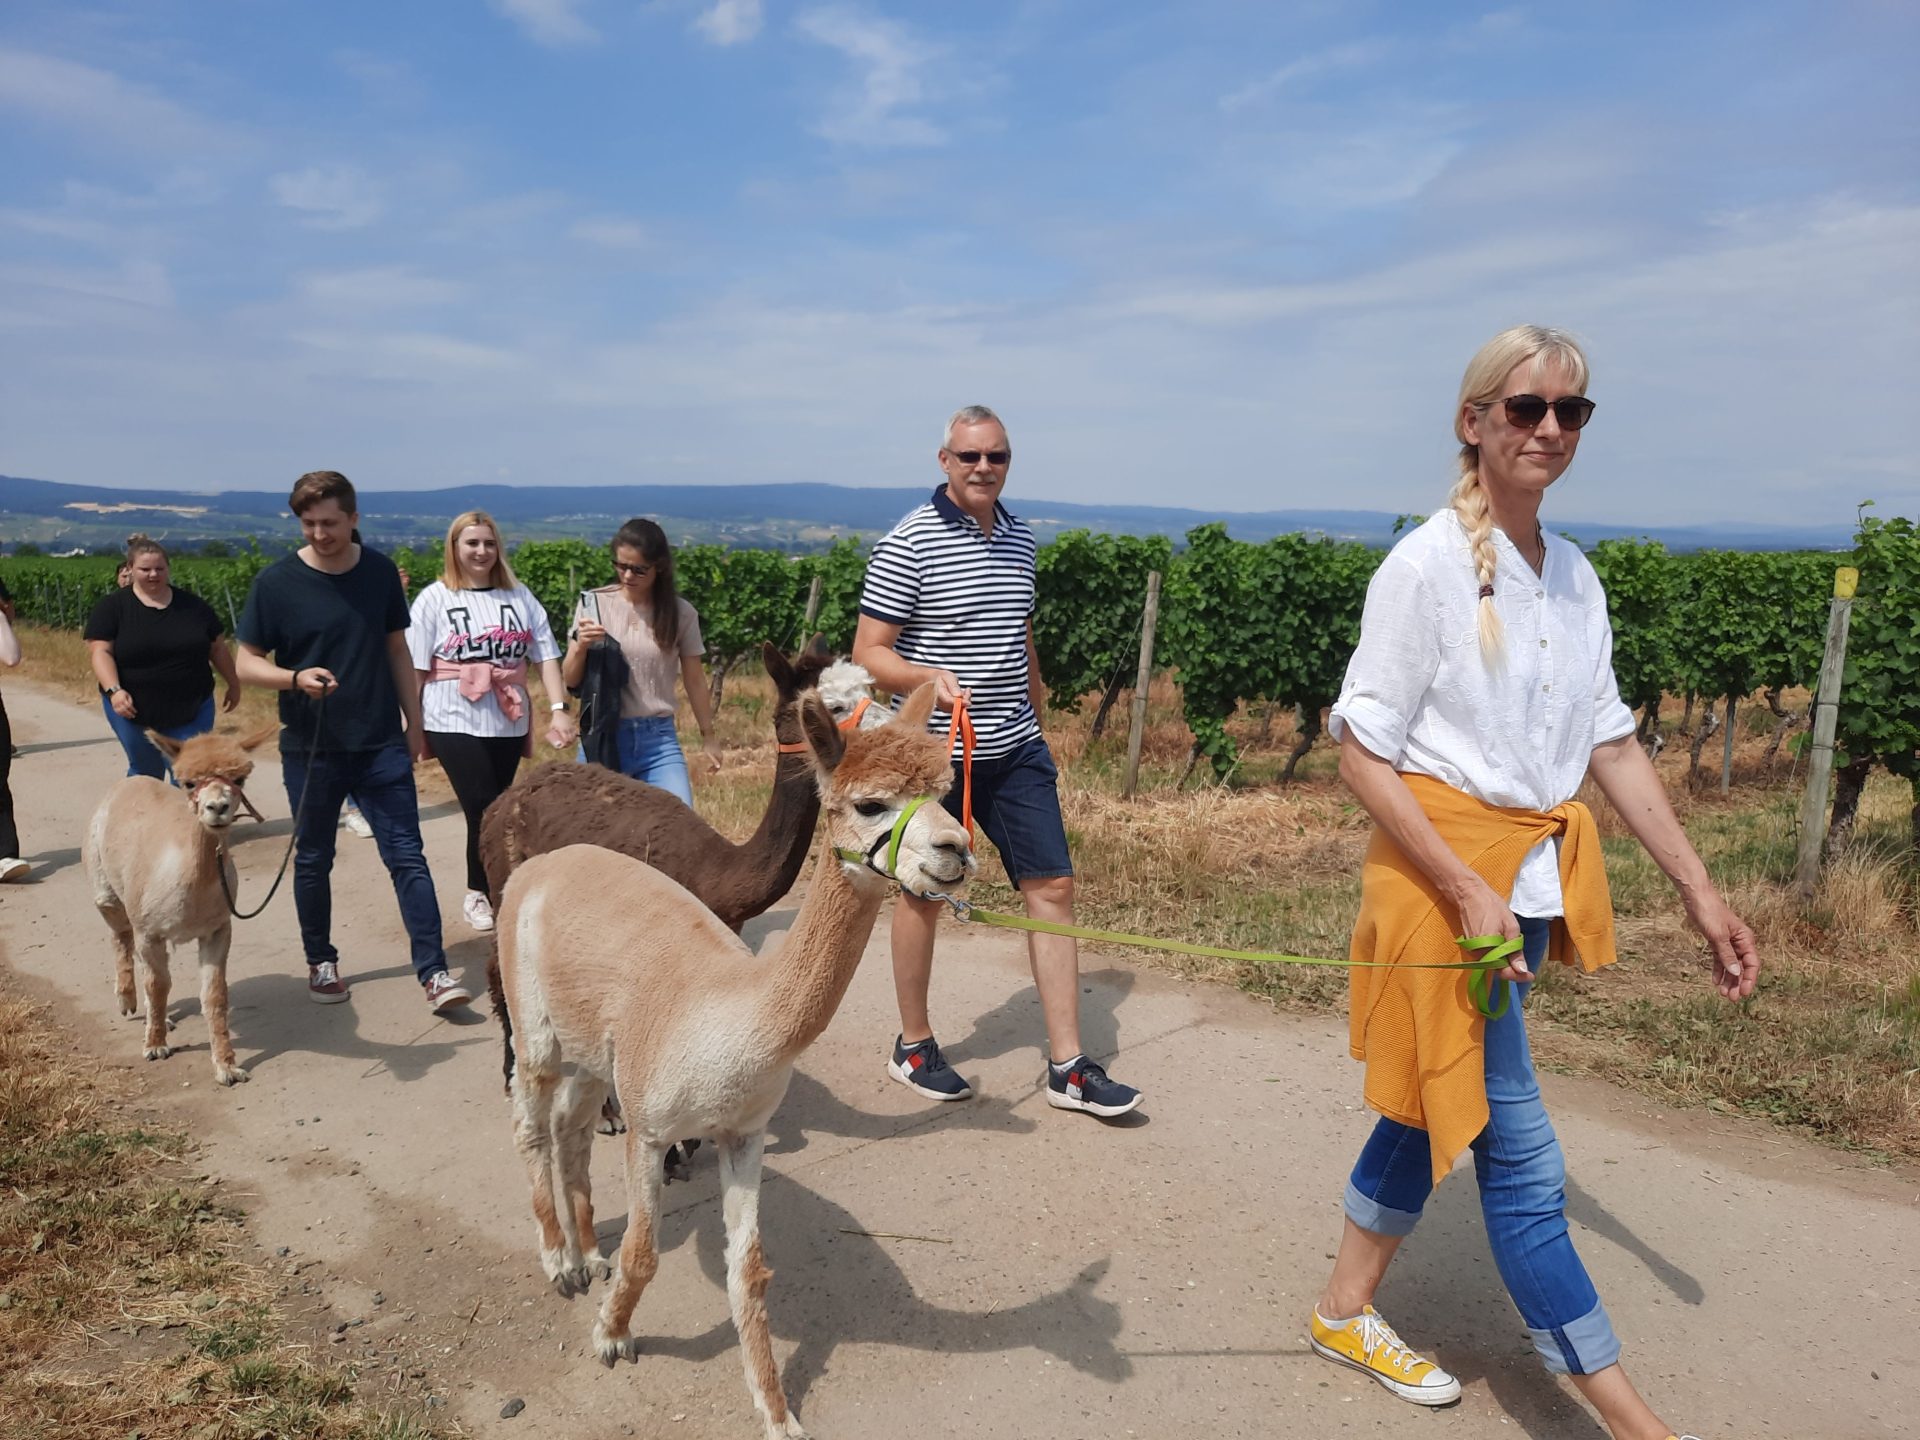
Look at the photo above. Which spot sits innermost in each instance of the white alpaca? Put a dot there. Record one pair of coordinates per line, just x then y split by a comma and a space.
847, 690
616, 975
154, 855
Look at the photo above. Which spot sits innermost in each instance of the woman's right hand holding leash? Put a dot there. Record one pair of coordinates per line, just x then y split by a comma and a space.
1484, 913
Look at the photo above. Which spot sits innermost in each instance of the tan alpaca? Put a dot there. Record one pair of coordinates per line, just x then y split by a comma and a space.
616, 975
154, 856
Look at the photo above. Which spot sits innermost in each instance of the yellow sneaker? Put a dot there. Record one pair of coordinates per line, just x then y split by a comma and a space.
1367, 1343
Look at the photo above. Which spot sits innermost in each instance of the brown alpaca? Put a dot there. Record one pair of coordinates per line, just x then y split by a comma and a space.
616, 975
154, 855
592, 805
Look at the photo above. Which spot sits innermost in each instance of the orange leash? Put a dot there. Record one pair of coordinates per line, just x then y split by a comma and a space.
962, 726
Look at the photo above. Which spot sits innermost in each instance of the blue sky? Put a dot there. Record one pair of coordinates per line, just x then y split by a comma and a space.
1224, 255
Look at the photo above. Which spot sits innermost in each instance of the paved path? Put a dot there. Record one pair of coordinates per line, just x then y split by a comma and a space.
991, 1269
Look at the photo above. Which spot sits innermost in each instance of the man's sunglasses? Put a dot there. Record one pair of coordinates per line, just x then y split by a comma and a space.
638, 571
972, 457
1527, 411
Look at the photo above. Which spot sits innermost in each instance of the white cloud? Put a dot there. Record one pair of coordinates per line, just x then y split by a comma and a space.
549, 22
1307, 67
330, 197
143, 283
378, 288
612, 233
889, 62
101, 106
730, 22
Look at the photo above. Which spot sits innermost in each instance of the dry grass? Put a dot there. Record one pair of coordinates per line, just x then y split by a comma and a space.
127, 1306
1830, 1045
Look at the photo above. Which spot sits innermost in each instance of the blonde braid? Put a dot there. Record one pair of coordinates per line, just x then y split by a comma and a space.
1469, 500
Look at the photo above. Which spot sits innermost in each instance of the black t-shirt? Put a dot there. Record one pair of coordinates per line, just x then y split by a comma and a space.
161, 654
302, 617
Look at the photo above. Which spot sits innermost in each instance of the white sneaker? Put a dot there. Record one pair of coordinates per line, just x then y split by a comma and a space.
478, 912
13, 867
355, 822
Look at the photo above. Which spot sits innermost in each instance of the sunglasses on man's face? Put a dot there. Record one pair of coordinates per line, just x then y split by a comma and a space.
1527, 411
972, 457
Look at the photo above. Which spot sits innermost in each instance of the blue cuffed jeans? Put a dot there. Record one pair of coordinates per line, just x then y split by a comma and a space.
650, 751
1523, 1194
143, 756
381, 781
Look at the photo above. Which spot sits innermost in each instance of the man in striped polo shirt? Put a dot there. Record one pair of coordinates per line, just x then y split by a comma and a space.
949, 597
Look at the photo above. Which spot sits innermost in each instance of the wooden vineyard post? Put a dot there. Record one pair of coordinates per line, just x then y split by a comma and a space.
1826, 719
813, 610
1726, 752
1148, 619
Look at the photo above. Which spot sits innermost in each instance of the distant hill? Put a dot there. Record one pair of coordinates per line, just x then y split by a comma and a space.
801, 516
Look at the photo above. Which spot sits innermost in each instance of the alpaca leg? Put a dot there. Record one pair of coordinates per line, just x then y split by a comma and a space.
747, 1277
639, 1252
578, 1105
156, 980
116, 918
213, 1005
533, 1097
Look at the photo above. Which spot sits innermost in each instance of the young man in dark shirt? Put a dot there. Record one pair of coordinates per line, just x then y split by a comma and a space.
327, 625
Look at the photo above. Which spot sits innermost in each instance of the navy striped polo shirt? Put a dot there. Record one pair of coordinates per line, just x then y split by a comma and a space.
963, 599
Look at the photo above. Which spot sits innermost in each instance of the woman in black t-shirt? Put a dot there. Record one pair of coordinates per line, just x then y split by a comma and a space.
151, 647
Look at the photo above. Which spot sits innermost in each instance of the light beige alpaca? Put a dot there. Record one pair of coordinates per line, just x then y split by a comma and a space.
154, 856
616, 975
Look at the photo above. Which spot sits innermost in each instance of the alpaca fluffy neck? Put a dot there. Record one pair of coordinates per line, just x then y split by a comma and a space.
812, 969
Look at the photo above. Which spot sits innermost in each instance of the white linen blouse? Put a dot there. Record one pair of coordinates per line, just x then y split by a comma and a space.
1519, 734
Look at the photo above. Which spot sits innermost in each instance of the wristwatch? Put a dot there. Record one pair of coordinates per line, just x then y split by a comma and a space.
558, 705
111, 691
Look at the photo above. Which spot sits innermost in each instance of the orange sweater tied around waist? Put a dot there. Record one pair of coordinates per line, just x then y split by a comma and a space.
1417, 1030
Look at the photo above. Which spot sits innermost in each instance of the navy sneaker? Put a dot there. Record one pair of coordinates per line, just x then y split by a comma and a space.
922, 1067
1082, 1084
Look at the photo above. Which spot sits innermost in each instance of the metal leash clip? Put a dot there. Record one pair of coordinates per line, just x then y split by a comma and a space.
962, 910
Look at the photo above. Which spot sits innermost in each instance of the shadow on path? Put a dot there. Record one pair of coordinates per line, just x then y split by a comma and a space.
272, 1016
838, 1285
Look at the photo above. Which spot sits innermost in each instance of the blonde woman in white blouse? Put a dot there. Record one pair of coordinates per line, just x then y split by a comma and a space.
1485, 666
475, 633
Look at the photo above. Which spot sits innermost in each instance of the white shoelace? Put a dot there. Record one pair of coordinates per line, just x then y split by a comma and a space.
1376, 1334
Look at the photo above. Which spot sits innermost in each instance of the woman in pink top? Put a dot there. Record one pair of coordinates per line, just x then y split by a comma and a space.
659, 637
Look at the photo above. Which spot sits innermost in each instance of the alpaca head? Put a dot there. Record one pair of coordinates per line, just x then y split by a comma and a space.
847, 690
879, 794
211, 769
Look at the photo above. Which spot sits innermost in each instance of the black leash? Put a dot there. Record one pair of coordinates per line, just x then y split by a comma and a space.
313, 749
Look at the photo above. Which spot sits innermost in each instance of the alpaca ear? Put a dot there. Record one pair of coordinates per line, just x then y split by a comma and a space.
261, 736
779, 668
918, 708
829, 745
818, 646
168, 748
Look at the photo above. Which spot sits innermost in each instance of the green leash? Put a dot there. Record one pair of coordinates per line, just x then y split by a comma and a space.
1491, 994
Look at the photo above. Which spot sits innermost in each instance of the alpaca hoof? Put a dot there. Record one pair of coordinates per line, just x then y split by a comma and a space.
610, 1124
597, 1267
230, 1075
158, 1052
789, 1431
129, 1009
614, 1348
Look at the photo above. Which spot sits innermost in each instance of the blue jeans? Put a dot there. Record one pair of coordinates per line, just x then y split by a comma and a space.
143, 757
650, 751
382, 782
1523, 1196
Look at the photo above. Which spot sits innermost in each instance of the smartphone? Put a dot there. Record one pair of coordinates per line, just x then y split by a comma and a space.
590, 606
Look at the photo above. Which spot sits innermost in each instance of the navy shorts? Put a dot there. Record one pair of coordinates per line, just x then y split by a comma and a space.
1016, 801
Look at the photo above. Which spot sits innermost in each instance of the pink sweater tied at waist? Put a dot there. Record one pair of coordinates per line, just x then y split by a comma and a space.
507, 682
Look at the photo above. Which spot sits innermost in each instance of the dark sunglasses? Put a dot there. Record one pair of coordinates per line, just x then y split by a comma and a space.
1527, 411
635, 570
972, 457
